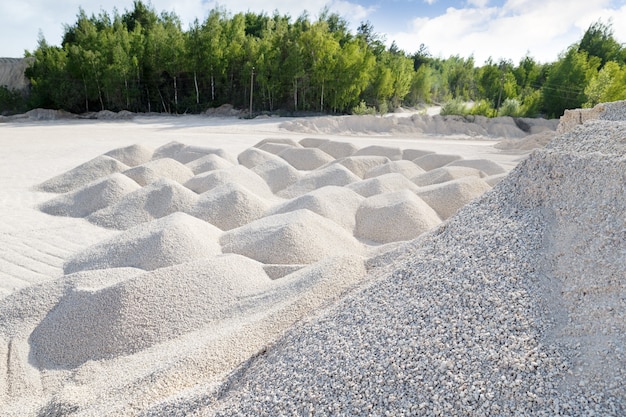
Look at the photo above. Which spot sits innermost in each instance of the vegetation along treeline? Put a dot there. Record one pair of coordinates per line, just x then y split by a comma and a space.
143, 61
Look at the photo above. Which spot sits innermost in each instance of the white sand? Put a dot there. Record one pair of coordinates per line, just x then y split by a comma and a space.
152, 171
360, 165
82, 175
166, 317
395, 216
385, 183
447, 197
406, 168
447, 173
171, 240
306, 159
92, 197
159, 199
229, 206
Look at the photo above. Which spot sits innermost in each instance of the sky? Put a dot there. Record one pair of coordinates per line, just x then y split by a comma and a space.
483, 29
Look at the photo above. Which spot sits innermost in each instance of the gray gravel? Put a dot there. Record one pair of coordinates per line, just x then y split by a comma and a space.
515, 306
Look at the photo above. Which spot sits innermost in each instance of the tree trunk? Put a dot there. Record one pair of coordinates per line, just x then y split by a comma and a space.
163, 101
322, 99
175, 94
212, 85
127, 96
295, 94
86, 97
195, 81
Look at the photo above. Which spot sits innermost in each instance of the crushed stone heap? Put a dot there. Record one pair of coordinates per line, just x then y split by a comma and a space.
515, 306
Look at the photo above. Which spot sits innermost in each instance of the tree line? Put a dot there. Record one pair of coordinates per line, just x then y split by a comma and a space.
143, 61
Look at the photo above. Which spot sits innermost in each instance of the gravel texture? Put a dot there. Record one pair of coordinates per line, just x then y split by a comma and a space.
515, 306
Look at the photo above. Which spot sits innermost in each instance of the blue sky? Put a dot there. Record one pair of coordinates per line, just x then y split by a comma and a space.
500, 29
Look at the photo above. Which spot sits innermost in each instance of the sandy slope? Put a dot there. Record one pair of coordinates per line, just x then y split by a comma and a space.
196, 271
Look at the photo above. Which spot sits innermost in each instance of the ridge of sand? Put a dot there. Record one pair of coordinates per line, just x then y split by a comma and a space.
333, 174
229, 206
406, 168
92, 197
446, 173
394, 216
159, 199
100, 166
209, 162
241, 175
154, 170
338, 204
173, 239
132, 155
296, 237
448, 197
385, 183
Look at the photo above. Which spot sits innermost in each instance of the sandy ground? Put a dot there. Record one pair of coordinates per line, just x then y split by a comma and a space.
35, 244
164, 306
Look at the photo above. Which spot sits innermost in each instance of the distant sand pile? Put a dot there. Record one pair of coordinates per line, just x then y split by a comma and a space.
497, 127
12, 72
279, 202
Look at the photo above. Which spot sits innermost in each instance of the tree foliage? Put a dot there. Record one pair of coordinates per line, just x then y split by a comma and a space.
144, 61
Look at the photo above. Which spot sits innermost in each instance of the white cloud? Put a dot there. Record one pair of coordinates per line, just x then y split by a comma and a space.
541, 28
478, 3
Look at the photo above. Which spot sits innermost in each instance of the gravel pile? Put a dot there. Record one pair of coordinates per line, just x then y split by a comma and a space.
238, 174
229, 206
360, 165
208, 163
145, 309
338, 149
385, 183
92, 170
132, 155
443, 174
306, 159
515, 306
171, 240
277, 173
393, 154
448, 197
395, 216
484, 165
334, 174
91, 197
338, 204
152, 171
296, 237
159, 199
435, 160
186, 153
406, 168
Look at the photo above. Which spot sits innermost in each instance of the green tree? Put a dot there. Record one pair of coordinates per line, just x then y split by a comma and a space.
566, 82
598, 41
608, 85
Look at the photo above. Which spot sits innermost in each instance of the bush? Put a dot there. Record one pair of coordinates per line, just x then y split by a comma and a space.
362, 109
11, 101
510, 107
483, 108
454, 107
383, 108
